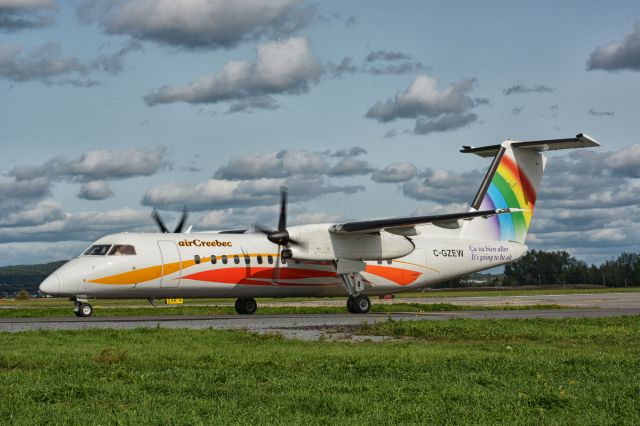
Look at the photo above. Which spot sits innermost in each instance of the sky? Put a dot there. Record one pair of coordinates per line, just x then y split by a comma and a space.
109, 109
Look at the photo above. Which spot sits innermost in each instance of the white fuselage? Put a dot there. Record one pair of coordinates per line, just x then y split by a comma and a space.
247, 265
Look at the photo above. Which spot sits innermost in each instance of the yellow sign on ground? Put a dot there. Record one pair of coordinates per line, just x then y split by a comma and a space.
175, 301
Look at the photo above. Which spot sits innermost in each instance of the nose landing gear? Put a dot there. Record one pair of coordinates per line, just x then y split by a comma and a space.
82, 309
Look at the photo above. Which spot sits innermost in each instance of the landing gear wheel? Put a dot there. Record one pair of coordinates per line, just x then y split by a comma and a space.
350, 305
246, 306
361, 304
84, 310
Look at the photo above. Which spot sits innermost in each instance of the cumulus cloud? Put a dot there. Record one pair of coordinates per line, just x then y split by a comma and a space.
45, 64
444, 123
42, 212
386, 55
435, 110
346, 66
84, 226
220, 194
518, 89
383, 62
273, 165
95, 190
16, 195
17, 15
444, 186
618, 55
295, 162
354, 151
601, 113
251, 104
286, 67
199, 24
405, 67
113, 63
395, 173
391, 133
98, 165
350, 167
379, 62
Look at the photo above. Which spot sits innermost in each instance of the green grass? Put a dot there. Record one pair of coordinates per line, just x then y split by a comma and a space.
570, 371
54, 312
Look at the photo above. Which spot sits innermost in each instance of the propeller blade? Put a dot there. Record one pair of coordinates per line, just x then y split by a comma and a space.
296, 243
156, 217
183, 220
261, 229
282, 222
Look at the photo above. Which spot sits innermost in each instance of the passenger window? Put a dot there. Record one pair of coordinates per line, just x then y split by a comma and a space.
247, 260
213, 259
97, 250
224, 259
236, 259
196, 258
259, 259
270, 259
122, 250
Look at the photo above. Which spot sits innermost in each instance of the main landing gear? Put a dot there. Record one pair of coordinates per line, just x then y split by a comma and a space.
82, 308
358, 304
246, 305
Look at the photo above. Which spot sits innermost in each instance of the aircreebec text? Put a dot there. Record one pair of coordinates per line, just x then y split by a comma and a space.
200, 243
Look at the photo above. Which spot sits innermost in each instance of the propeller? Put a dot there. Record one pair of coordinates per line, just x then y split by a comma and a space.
163, 228
280, 236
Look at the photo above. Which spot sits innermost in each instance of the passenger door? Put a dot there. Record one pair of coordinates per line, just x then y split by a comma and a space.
171, 264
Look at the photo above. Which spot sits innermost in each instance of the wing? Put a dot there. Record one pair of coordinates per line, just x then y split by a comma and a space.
404, 225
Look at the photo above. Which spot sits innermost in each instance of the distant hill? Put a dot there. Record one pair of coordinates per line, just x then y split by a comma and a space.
25, 277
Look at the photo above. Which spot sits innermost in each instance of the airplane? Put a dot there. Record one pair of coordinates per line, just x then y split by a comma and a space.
352, 259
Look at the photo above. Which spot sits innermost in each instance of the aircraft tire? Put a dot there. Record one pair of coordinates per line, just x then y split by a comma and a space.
361, 304
85, 310
246, 306
350, 304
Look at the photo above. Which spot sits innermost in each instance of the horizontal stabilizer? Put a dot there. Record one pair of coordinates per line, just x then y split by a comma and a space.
370, 226
580, 141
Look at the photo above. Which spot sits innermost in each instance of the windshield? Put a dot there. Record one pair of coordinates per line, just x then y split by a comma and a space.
97, 250
122, 249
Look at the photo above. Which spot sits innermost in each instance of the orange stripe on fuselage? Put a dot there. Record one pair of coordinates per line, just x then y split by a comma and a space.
144, 274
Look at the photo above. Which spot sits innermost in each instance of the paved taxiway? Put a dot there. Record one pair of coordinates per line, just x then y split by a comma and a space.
314, 326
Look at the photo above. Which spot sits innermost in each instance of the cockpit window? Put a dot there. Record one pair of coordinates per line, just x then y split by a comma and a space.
97, 250
122, 250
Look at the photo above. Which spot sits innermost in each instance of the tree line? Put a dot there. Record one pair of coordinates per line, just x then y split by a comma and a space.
538, 267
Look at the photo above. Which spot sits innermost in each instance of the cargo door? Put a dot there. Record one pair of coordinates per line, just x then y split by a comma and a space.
171, 265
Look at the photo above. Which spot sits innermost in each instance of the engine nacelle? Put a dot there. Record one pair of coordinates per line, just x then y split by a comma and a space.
318, 243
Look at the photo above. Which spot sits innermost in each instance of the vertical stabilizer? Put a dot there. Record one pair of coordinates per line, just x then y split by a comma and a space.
512, 182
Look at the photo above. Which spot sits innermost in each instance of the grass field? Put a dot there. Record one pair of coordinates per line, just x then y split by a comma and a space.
570, 371
54, 312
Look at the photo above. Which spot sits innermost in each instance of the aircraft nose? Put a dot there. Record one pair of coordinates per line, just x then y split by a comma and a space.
51, 284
